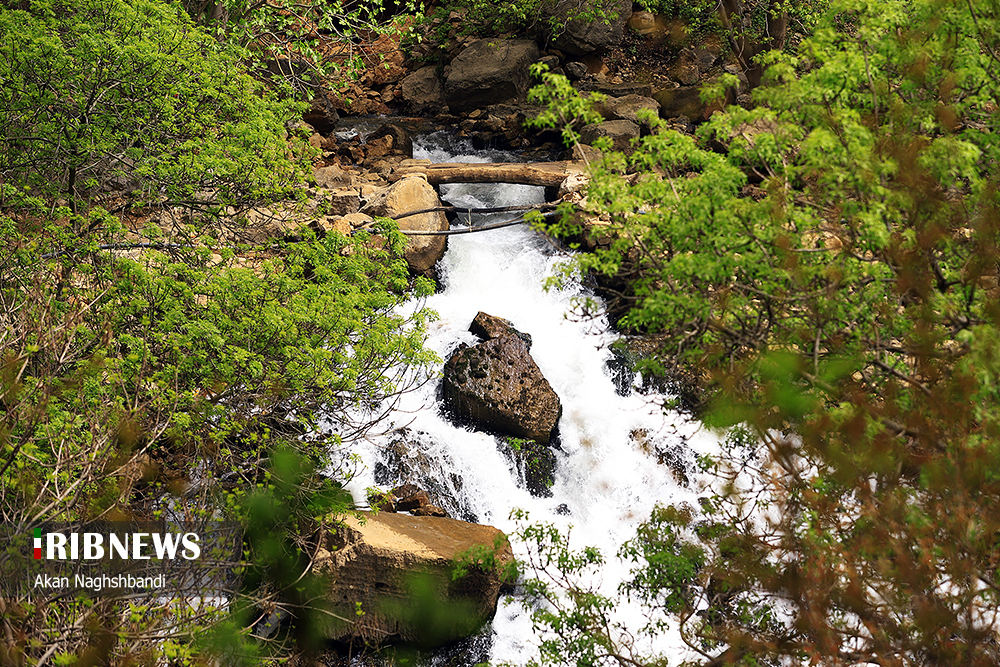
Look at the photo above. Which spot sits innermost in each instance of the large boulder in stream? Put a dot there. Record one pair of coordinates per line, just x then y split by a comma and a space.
489, 71
413, 193
498, 387
398, 570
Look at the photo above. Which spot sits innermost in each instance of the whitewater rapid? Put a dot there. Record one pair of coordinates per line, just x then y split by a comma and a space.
608, 476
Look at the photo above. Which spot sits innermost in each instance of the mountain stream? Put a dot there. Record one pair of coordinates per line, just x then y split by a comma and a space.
619, 452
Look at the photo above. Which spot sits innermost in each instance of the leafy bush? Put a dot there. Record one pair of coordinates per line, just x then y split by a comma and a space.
131, 97
841, 305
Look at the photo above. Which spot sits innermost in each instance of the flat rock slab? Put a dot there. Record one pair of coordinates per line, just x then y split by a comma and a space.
399, 569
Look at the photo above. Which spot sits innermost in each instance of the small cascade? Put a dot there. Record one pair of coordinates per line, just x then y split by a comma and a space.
618, 453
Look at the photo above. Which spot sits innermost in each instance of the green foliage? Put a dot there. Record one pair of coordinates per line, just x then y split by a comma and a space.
104, 95
304, 46
571, 618
563, 106
832, 275
525, 17
139, 353
492, 558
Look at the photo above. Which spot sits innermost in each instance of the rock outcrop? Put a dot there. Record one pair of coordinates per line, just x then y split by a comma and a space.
406, 498
398, 570
499, 387
489, 71
534, 464
488, 326
413, 193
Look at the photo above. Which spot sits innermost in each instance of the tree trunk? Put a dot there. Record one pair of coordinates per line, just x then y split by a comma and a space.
747, 46
549, 174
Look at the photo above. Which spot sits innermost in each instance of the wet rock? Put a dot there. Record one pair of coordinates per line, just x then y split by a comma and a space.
581, 36
499, 387
534, 464
489, 71
489, 326
428, 510
404, 460
406, 195
374, 563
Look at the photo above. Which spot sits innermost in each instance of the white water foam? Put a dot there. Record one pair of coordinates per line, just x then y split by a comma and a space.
606, 481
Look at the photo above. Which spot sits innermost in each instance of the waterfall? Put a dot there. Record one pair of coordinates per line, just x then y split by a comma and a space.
613, 465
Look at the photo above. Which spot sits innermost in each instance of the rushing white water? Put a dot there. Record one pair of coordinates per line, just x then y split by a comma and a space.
608, 477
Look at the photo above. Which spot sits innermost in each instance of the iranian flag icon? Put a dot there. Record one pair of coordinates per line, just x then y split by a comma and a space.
38, 543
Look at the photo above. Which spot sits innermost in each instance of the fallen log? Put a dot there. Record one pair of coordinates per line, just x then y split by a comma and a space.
549, 174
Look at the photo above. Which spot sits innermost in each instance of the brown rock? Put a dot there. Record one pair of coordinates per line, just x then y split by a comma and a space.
489, 326
429, 510
499, 387
684, 101
326, 225
489, 71
373, 564
331, 177
385, 62
581, 36
626, 108
406, 195
642, 22
621, 133
422, 90
400, 142
344, 202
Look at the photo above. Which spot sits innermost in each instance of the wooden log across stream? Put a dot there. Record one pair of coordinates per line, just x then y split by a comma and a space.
549, 174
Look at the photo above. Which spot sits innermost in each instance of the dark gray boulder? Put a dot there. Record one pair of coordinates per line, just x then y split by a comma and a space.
584, 35
489, 71
498, 387
534, 464
488, 326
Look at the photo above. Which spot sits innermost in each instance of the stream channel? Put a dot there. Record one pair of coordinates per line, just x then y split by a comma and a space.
619, 452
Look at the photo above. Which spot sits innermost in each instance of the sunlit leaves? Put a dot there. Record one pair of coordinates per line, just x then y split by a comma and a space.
102, 95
